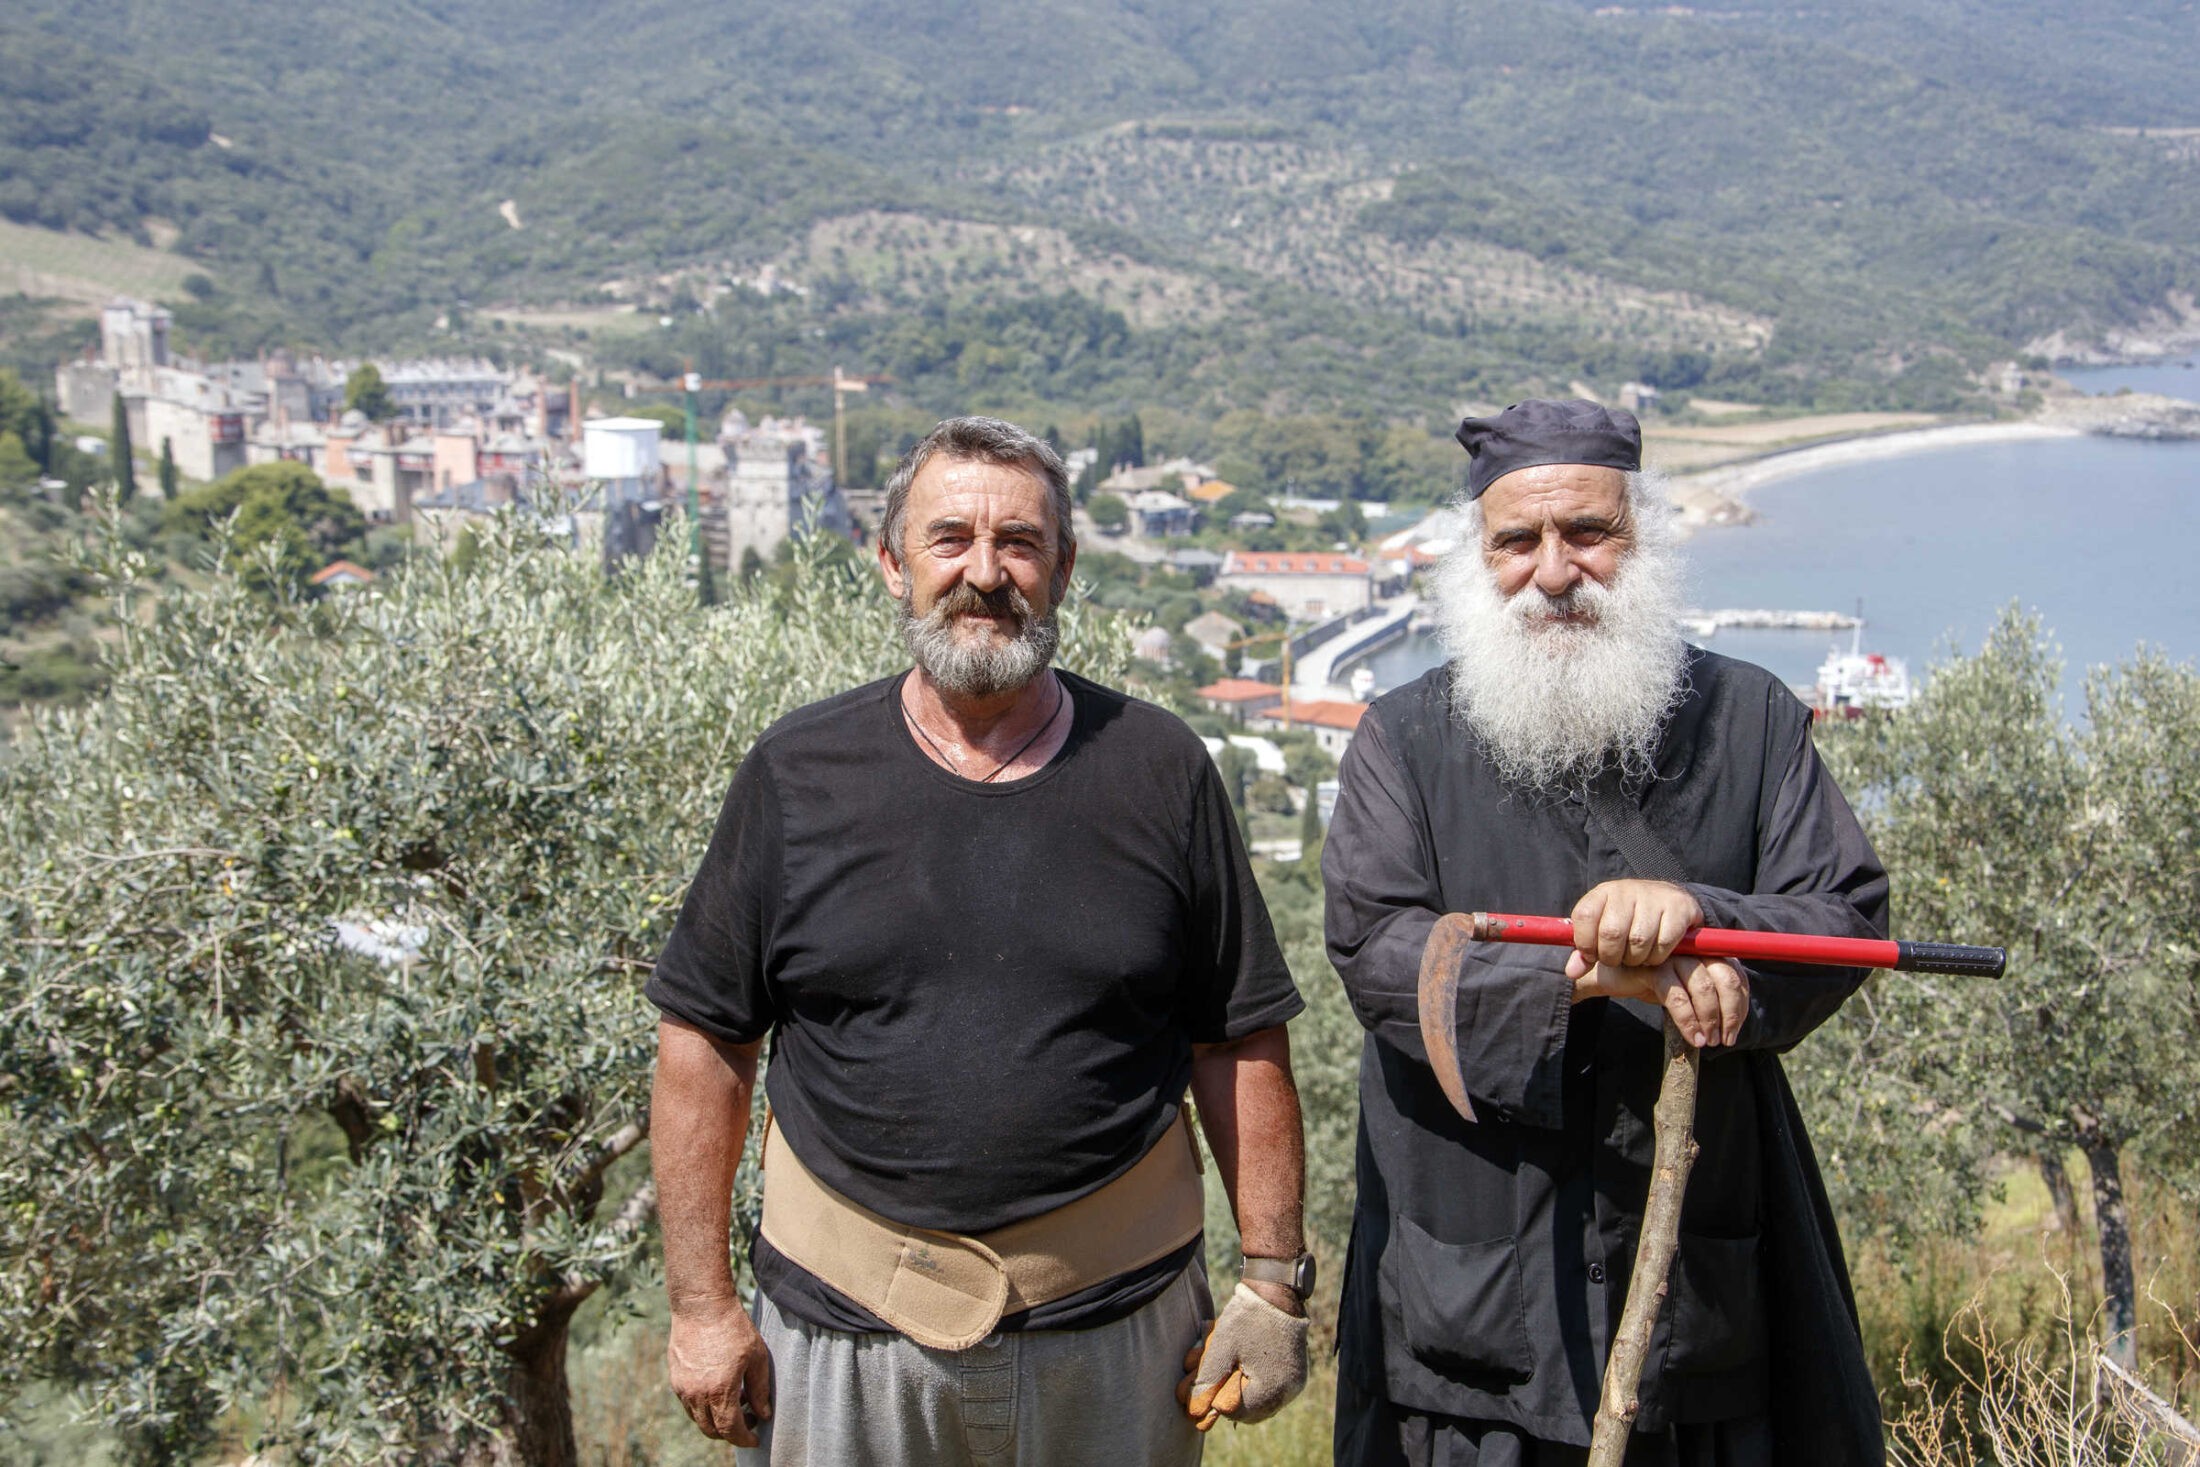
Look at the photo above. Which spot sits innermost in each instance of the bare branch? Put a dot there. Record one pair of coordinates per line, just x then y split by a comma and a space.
631, 1219
2149, 1412
621, 1141
153, 855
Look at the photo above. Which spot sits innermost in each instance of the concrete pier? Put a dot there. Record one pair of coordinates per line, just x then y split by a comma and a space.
1318, 668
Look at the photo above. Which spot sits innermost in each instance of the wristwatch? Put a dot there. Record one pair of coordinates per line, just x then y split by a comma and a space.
1295, 1274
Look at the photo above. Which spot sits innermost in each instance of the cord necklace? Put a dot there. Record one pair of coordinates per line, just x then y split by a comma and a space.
1060, 697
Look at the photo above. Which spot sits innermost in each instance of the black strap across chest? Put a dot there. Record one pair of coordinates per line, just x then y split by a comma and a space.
1622, 820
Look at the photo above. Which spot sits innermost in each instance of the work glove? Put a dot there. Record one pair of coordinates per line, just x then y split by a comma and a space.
1250, 1365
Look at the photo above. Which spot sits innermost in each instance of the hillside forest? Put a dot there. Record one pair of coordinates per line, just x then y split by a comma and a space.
1276, 206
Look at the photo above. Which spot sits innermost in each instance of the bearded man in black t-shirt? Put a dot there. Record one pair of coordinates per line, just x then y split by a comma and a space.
994, 920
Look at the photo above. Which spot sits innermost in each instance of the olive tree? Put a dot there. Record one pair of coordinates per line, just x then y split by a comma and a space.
2002, 823
323, 1081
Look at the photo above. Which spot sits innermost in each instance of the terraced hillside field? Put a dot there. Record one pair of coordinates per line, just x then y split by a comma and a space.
86, 269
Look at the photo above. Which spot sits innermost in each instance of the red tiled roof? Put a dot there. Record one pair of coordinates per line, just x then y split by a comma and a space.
1292, 563
1324, 712
337, 569
1239, 690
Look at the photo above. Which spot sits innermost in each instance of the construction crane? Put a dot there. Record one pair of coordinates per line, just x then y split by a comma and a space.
841, 382
1253, 641
694, 383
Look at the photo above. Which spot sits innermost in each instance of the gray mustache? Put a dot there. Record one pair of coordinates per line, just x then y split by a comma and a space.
966, 600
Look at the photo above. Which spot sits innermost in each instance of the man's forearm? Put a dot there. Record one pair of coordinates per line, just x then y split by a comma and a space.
1249, 1109
699, 1121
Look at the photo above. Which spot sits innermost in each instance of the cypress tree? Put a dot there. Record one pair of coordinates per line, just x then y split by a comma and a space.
169, 483
1310, 825
706, 579
125, 458
42, 431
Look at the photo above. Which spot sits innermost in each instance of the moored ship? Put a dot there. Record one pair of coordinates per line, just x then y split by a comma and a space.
1855, 682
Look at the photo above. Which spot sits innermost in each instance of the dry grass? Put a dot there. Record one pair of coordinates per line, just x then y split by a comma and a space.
1780, 432
2035, 1399
1686, 447
1995, 1333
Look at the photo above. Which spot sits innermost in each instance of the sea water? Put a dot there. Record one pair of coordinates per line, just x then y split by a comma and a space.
2098, 536
2170, 377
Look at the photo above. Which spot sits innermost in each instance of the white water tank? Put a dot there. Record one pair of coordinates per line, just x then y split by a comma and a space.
615, 449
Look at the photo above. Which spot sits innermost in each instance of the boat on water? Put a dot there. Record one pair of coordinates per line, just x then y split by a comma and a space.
1856, 682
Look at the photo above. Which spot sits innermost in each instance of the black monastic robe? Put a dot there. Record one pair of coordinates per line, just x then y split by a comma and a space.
1489, 1261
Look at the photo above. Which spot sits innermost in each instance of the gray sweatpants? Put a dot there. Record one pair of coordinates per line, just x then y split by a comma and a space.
1061, 1398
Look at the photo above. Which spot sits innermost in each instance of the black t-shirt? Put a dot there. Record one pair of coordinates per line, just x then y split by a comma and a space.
982, 997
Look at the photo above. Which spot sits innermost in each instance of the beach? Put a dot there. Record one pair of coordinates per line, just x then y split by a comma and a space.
1718, 496
1716, 492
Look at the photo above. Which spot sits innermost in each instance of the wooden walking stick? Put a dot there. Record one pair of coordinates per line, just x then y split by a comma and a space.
1674, 1116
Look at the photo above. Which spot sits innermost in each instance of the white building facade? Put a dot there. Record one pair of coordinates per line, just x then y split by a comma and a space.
1309, 586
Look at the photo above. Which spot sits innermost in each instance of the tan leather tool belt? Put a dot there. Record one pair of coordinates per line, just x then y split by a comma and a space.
949, 1291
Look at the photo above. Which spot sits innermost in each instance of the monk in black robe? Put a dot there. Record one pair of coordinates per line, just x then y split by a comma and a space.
1576, 756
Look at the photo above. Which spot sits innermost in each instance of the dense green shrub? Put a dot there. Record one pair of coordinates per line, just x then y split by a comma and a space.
327, 927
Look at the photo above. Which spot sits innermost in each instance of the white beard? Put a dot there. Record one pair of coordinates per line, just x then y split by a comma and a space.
1554, 702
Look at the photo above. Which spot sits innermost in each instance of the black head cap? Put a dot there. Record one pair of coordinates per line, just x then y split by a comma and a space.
1539, 431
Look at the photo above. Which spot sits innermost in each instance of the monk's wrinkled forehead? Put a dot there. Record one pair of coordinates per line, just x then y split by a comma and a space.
1564, 496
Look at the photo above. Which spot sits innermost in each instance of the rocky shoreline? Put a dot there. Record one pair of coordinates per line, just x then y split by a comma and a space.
2125, 415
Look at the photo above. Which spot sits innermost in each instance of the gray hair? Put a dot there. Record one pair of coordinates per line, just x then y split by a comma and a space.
983, 440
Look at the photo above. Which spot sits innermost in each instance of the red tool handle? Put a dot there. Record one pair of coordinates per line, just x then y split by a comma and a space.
1773, 947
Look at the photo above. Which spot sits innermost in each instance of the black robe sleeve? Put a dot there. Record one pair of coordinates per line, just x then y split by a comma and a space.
1816, 873
1382, 902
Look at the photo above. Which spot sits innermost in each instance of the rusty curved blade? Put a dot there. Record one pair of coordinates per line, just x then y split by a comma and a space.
1441, 961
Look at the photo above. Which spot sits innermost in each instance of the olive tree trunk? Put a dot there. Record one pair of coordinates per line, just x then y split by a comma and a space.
538, 1408
2119, 1294
2056, 1177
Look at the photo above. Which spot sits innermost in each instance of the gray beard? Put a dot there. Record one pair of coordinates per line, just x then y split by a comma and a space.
1555, 704
980, 667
